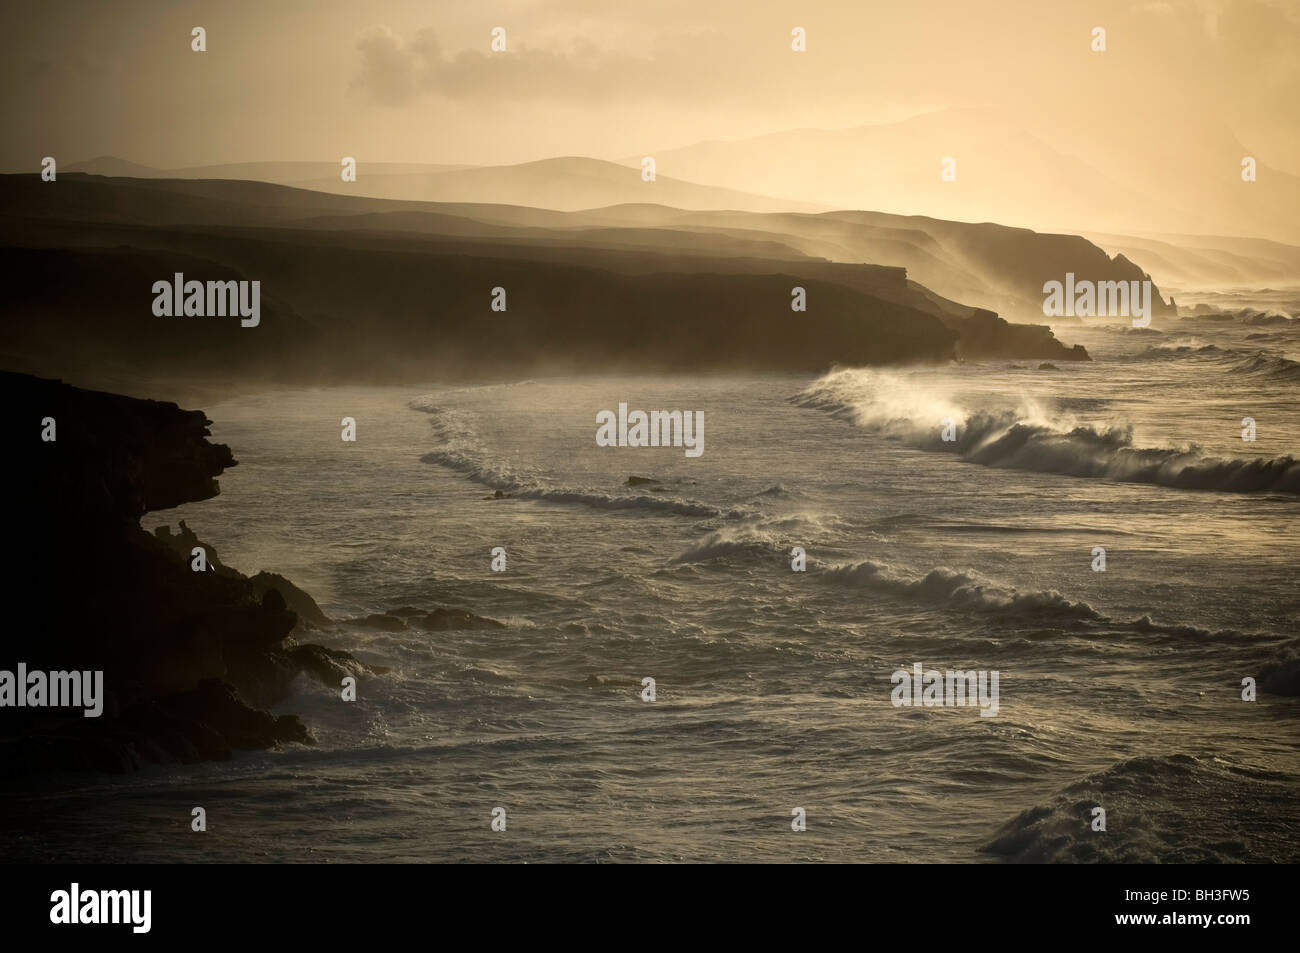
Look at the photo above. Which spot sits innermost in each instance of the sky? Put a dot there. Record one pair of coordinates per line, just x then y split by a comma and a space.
417, 81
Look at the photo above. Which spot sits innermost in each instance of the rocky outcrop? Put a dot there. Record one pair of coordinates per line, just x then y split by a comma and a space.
191, 659
302, 604
986, 336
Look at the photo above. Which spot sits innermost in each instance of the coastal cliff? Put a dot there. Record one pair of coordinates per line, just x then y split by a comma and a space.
362, 291
191, 660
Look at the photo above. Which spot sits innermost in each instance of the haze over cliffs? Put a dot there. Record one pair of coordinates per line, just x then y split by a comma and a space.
369, 290
1194, 262
1106, 172
987, 265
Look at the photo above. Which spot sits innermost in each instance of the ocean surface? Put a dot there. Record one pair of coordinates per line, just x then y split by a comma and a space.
1119, 689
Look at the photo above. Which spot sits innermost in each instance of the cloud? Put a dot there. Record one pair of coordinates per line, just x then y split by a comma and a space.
395, 72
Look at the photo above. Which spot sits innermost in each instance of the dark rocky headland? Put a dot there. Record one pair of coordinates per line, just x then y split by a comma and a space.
191, 660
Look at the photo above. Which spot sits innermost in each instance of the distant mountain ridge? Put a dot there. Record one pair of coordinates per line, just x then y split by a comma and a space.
566, 183
1005, 172
1131, 175
1210, 262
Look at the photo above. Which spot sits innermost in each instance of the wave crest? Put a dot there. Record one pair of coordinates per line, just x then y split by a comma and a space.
962, 590
1171, 809
1027, 439
463, 452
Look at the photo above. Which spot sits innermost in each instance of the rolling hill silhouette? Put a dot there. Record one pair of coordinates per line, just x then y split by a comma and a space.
566, 183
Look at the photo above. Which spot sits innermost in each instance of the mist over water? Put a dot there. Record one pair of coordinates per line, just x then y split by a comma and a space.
773, 686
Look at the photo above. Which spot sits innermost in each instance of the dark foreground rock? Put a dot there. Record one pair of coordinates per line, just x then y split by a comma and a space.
191, 660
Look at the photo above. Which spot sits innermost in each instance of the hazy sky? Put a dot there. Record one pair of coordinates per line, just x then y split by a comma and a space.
415, 81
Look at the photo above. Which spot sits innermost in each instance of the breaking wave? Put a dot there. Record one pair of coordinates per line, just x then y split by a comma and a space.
463, 452
764, 539
1027, 439
1265, 363
1270, 365
949, 588
1167, 809
1281, 674
1161, 352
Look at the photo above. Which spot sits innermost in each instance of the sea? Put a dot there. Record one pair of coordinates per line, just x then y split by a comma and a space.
1158, 686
